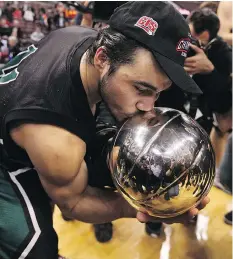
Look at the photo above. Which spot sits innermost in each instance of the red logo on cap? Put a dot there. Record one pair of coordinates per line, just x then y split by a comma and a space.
183, 45
147, 24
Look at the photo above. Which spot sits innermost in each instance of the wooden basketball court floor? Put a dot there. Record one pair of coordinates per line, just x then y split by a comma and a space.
213, 239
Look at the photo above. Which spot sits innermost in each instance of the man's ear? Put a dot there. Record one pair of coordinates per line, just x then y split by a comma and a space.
101, 59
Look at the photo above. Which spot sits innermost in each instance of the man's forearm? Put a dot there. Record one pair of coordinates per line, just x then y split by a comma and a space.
100, 206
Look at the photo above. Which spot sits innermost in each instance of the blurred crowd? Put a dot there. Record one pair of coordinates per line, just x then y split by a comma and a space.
23, 23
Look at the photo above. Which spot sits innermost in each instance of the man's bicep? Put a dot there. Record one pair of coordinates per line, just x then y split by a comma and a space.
56, 153
68, 195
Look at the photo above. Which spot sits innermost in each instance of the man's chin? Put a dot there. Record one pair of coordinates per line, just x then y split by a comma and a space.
120, 117
124, 117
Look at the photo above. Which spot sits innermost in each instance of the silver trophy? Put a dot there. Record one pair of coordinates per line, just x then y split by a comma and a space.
162, 162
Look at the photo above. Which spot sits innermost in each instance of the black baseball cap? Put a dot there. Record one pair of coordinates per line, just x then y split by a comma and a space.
159, 27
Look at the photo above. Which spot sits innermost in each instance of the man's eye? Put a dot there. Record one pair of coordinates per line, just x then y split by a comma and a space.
140, 89
143, 90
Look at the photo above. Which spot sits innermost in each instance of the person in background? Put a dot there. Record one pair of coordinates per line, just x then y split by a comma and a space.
4, 50
29, 15
17, 14
213, 5
13, 45
7, 11
4, 23
50, 20
37, 35
225, 174
43, 17
225, 16
1, 8
211, 68
16, 31
223, 179
60, 20
210, 65
79, 16
70, 13
87, 17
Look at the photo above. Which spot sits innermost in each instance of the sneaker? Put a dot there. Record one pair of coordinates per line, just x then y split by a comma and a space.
154, 229
103, 232
228, 218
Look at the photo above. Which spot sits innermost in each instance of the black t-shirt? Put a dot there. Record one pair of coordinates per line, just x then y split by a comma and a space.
216, 86
43, 85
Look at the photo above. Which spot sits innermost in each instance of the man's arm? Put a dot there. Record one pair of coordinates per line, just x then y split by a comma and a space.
58, 157
87, 20
216, 77
225, 16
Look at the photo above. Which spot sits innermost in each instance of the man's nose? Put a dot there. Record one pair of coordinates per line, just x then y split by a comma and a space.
145, 105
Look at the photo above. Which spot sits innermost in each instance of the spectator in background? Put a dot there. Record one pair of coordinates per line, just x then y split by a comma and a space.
211, 65
225, 174
50, 19
37, 35
87, 17
16, 31
4, 23
7, 11
4, 51
224, 11
78, 18
1, 8
5, 28
43, 17
60, 7
60, 20
213, 5
225, 16
70, 13
29, 15
13, 45
223, 179
17, 14
79, 15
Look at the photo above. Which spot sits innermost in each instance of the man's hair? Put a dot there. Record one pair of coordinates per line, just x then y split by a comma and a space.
119, 49
205, 20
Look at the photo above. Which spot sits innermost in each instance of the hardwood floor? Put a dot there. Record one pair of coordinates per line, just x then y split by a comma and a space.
77, 241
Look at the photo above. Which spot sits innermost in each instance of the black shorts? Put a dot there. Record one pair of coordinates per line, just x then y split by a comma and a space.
26, 223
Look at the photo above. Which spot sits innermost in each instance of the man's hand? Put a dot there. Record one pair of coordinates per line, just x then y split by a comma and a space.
184, 218
198, 64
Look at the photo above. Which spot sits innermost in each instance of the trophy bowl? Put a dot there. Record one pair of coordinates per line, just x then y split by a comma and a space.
162, 162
